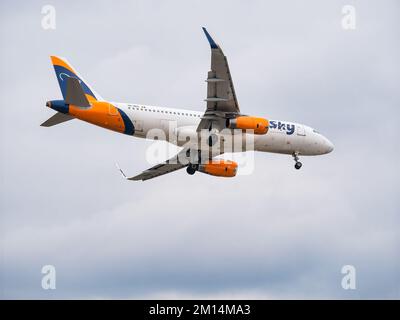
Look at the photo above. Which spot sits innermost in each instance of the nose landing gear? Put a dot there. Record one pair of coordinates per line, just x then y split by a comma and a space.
298, 164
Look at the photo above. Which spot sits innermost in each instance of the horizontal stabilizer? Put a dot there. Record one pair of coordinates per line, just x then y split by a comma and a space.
56, 119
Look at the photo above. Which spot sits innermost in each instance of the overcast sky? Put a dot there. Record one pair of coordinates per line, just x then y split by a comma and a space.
277, 233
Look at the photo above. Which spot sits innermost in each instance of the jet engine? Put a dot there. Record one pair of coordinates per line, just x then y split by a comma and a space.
219, 168
259, 125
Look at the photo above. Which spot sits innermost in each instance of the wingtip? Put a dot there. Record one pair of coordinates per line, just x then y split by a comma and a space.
213, 44
120, 170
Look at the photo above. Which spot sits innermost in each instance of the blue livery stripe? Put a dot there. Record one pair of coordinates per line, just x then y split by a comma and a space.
63, 73
210, 40
129, 127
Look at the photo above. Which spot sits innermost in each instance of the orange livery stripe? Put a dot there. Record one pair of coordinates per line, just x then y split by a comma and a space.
102, 114
58, 62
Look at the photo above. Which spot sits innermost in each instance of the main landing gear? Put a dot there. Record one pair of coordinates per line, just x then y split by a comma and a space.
191, 169
298, 164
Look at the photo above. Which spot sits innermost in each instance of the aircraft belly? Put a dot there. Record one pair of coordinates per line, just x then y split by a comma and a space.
276, 142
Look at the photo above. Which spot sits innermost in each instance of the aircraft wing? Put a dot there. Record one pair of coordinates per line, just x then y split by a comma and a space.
221, 97
221, 105
179, 161
156, 171
168, 166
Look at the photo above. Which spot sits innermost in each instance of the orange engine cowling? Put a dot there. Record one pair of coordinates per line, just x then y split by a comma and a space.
259, 125
220, 168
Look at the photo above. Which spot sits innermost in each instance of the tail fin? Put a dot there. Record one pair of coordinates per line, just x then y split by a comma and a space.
64, 71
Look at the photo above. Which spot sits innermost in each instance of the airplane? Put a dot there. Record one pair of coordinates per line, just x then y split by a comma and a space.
221, 121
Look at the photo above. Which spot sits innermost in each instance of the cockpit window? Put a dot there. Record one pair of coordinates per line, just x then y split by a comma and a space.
315, 131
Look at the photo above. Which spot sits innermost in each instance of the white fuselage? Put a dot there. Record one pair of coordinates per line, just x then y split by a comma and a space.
283, 136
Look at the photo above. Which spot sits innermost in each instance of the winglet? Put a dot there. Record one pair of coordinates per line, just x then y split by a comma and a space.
210, 40
120, 170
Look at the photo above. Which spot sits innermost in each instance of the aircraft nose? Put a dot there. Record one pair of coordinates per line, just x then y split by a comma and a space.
328, 146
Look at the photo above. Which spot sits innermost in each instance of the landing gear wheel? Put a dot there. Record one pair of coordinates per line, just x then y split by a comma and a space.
190, 170
298, 165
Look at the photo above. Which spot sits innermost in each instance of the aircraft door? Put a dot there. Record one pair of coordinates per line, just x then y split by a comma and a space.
138, 124
112, 110
300, 130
